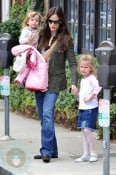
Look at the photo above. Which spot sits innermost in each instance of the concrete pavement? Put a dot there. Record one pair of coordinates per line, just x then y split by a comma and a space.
17, 150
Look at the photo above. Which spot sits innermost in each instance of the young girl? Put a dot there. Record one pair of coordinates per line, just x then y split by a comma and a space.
88, 107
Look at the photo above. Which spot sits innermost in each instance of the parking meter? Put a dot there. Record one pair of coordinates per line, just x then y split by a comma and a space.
6, 43
6, 60
106, 56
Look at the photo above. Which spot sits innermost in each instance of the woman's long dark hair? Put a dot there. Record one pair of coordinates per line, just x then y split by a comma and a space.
63, 34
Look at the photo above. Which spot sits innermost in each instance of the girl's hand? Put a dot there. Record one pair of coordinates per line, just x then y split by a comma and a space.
87, 99
30, 37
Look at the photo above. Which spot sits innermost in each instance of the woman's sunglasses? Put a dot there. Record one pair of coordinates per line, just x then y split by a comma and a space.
53, 21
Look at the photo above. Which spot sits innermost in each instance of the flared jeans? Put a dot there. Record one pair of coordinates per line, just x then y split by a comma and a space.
45, 102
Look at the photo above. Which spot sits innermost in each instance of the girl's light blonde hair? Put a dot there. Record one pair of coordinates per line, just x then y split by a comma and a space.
29, 15
90, 61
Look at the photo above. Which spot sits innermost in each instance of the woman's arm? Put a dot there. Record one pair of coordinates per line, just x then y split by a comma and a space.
49, 51
70, 55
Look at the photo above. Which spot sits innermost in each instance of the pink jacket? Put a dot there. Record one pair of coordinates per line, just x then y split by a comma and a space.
33, 78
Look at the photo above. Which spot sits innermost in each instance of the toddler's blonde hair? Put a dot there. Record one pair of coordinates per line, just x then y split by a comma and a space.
90, 61
29, 15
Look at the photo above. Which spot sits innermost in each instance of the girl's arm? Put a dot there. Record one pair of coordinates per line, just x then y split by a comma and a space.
95, 89
91, 97
70, 55
23, 39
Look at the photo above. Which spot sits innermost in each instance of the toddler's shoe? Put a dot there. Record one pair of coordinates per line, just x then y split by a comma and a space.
82, 159
93, 158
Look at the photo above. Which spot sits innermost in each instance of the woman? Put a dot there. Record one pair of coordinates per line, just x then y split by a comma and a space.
56, 45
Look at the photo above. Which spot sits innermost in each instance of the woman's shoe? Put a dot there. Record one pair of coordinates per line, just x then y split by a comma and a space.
82, 159
40, 156
46, 158
37, 157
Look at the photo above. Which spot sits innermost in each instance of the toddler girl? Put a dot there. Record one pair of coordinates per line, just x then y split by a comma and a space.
30, 33
27, 59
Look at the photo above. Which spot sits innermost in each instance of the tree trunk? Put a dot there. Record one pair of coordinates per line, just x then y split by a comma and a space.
37, 5
32, 5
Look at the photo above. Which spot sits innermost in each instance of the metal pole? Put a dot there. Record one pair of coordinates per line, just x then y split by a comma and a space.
106, 140
6, 98
5, 93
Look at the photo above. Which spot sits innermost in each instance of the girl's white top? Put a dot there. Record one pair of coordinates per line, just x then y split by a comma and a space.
26, 31
88, 86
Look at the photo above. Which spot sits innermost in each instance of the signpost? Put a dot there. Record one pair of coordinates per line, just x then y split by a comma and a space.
104, 121
5, 91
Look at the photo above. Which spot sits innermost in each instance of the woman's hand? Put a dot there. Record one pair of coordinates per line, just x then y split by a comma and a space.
49, 51
74, 90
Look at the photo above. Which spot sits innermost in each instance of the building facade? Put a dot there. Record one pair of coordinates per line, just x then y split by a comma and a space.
90, 22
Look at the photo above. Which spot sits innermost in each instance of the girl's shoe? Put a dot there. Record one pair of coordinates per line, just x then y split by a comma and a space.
93, 158
82, 159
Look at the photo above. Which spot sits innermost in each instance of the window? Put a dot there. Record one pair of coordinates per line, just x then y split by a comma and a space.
88, 24
105, 20
57, 3
73, 23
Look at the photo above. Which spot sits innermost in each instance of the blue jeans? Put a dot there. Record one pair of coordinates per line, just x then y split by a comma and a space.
45, 102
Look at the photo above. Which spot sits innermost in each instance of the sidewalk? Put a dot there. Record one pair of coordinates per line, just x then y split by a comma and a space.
25, 134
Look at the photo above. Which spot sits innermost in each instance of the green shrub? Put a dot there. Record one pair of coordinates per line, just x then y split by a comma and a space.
12, 27
22, 101
17, 15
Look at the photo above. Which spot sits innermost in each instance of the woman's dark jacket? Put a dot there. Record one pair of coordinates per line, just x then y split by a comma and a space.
56, 73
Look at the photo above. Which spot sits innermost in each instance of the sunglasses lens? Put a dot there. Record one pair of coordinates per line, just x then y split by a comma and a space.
54, 22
